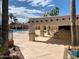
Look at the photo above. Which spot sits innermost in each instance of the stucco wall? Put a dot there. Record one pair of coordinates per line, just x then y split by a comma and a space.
54, 20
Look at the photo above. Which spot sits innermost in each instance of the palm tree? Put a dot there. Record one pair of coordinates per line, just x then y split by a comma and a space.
54, 11
15, 22
73, 23
11, 16
46, 14
5, 25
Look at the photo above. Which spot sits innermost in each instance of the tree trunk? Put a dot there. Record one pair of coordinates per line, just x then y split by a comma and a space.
5, 26
73, 23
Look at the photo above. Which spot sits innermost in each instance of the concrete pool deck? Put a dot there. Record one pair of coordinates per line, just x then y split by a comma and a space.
39, 49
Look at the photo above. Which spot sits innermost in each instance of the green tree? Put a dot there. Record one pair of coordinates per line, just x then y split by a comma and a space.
15, 22
11, 16
54, 11
46, 14
15, 19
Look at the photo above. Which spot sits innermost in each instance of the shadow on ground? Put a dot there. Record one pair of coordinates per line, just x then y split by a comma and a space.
56, 41
15, 53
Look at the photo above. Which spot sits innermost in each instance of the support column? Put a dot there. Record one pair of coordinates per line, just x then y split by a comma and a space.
77, 34
48, 30
31, 32
55, 28
51, 30
41, 31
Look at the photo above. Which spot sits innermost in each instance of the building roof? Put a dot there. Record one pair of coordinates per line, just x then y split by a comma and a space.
44, 17
15, 23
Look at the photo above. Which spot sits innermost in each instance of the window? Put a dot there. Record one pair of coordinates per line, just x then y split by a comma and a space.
63, 19
46, 20
49, 27
36, 21
28, 21
56, 19
39, 27
77, 17
41, 21
51, 19
32, 21
44, 27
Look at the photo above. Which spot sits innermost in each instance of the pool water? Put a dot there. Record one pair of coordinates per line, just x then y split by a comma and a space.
16, 30
75, 52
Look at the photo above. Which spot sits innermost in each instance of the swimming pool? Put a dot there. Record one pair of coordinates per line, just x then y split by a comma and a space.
16, 30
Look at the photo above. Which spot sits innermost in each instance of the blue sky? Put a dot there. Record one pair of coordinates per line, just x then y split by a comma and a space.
25, 9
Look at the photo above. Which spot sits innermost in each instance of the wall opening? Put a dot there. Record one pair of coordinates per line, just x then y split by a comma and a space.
44, 27
38, 27
65, 28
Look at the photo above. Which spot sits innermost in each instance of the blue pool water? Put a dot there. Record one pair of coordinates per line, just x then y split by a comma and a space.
16, 30
75, 52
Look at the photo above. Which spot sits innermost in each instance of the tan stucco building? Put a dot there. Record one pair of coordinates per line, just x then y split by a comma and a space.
18, 25
60, 26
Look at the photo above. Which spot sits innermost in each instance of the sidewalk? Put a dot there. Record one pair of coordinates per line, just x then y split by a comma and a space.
38, 50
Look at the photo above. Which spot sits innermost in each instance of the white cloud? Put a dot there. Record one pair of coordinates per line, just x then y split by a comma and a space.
21, 0
38, 2
22, 13
51, 5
